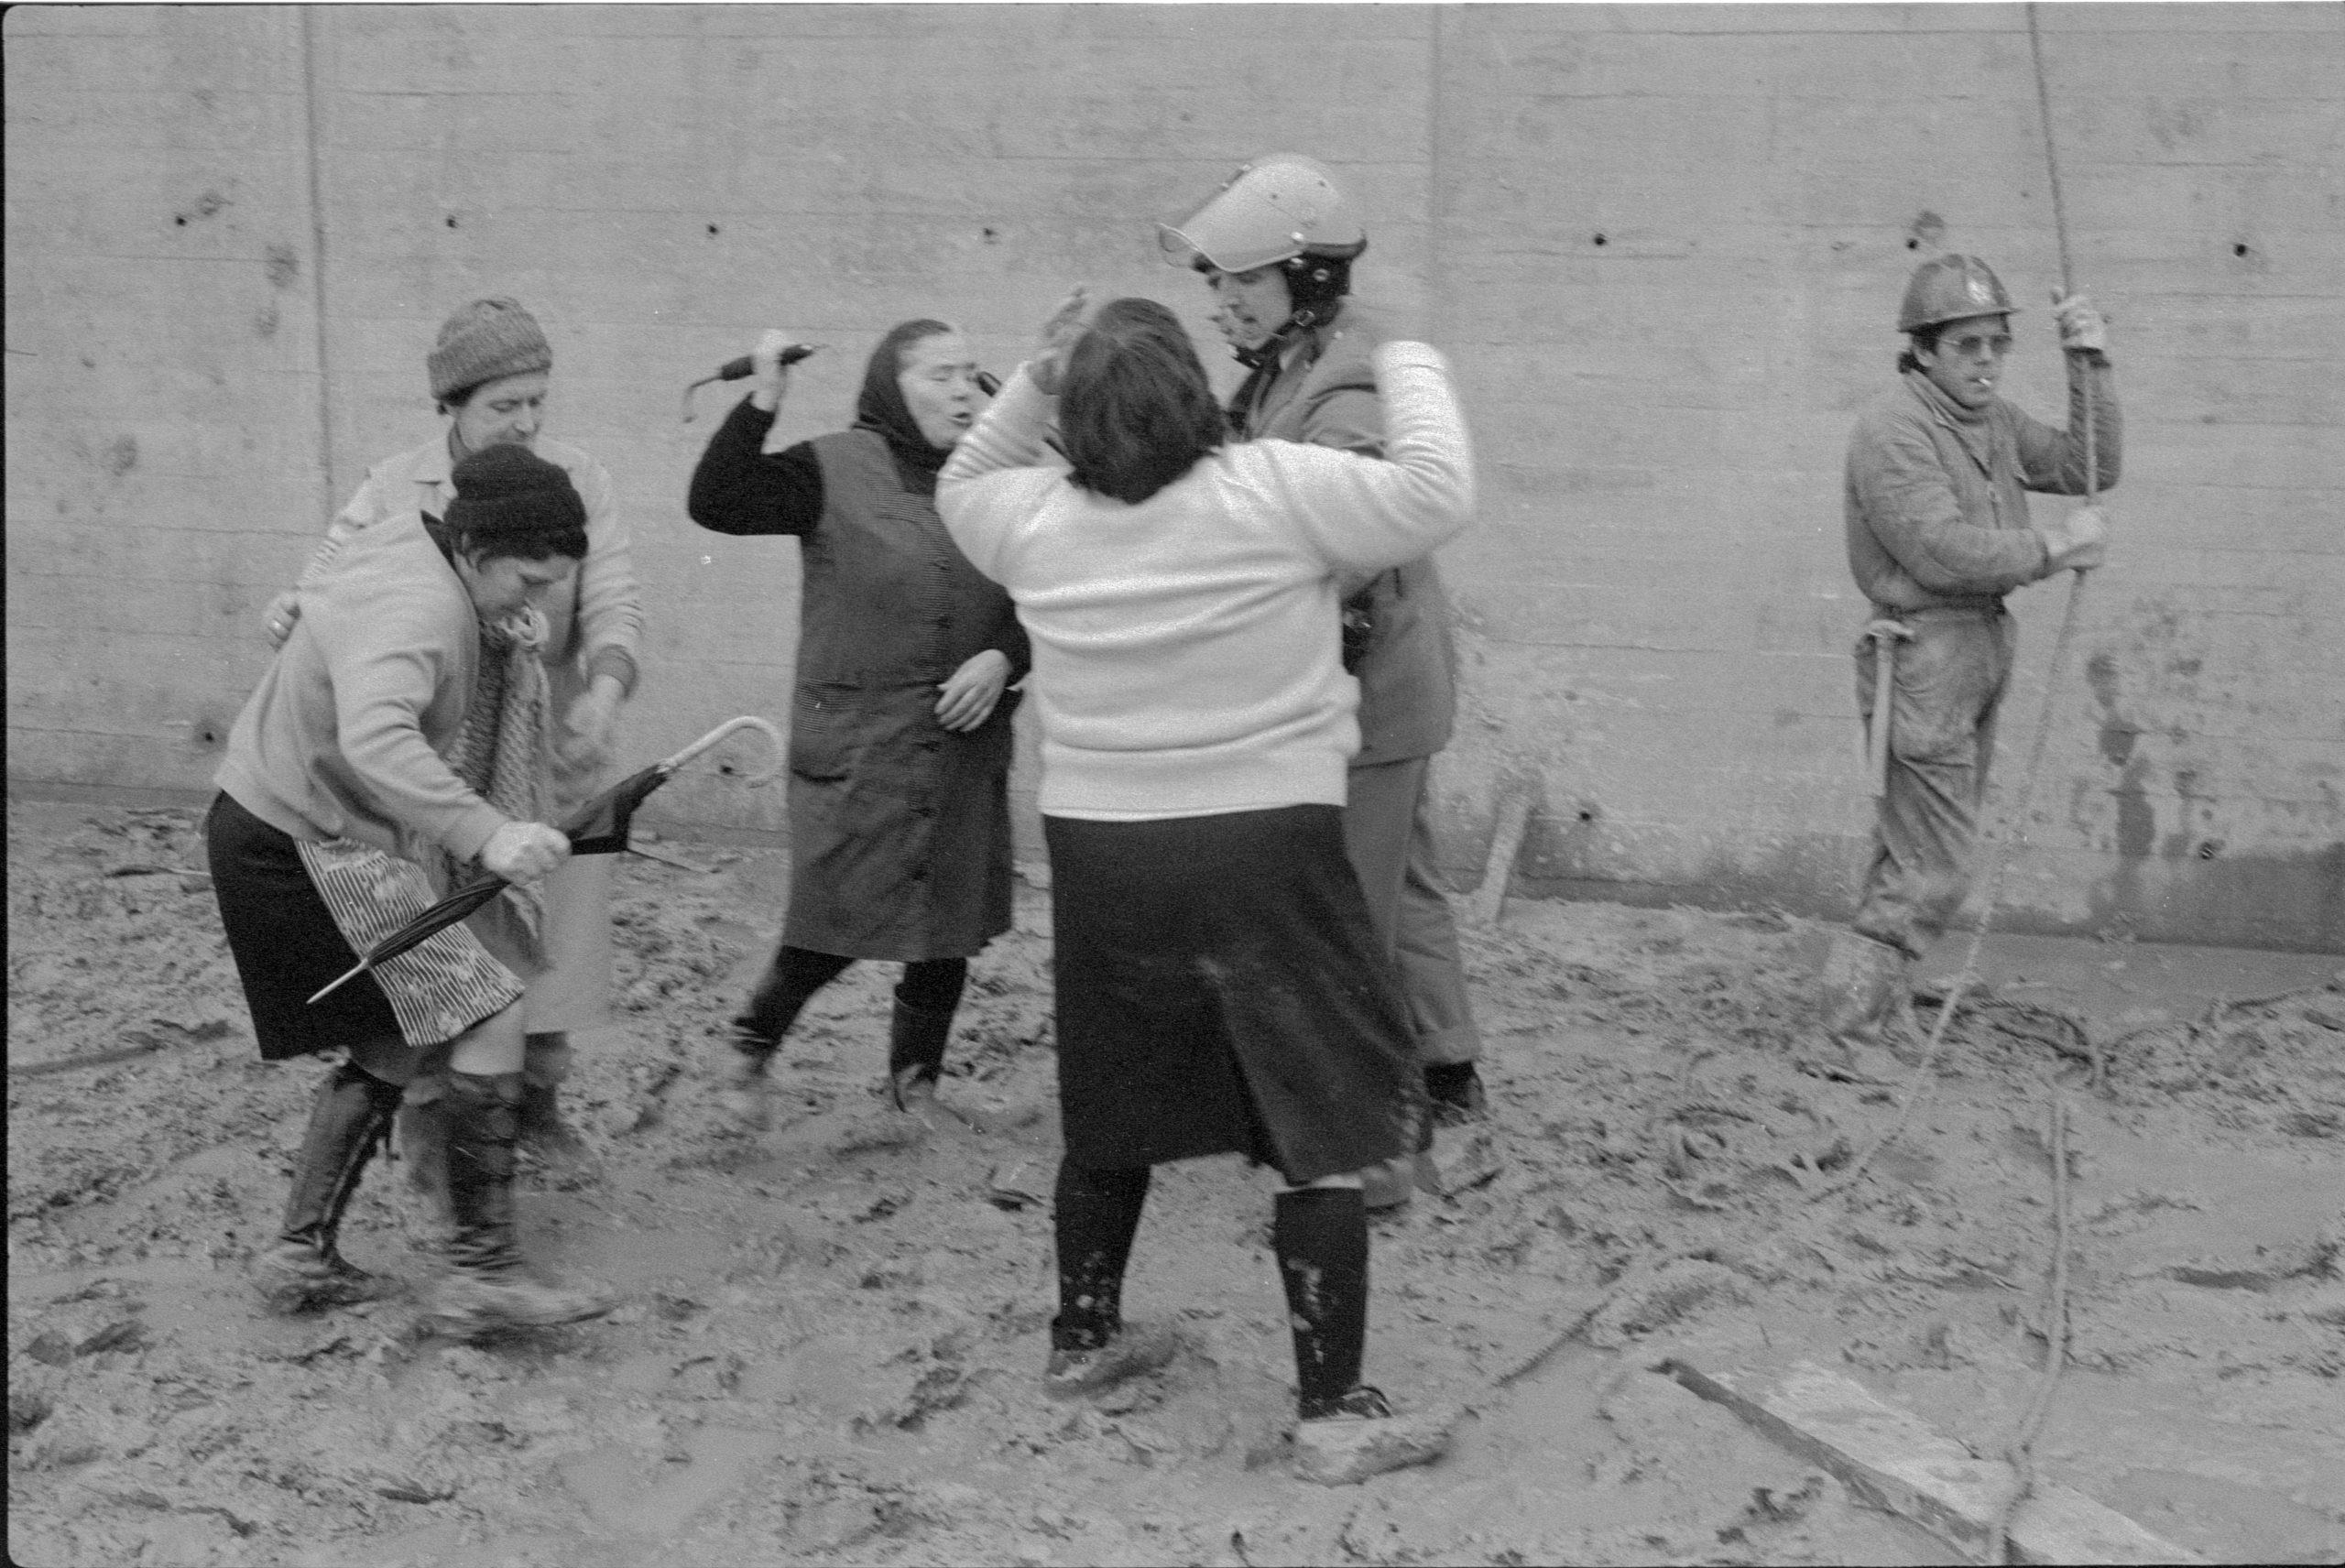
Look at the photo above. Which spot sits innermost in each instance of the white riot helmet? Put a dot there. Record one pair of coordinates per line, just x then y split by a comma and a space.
1272, 209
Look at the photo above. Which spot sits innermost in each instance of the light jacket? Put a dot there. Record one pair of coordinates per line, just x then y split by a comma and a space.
346, 734
1936, 513
1324, 394
595, 622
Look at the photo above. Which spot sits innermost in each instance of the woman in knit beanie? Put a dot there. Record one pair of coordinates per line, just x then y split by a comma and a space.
483, 341
490, 370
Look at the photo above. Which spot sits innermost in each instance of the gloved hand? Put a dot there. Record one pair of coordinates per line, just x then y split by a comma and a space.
1047, 369
2082, 327
282, 611
766, 372
2077, 542
523, 852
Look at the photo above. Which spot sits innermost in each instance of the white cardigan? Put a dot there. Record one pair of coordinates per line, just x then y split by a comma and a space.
1186, 657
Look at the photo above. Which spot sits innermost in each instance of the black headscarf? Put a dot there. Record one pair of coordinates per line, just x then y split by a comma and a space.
881, 408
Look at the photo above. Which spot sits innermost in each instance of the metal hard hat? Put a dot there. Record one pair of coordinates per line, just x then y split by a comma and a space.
1949, 287
1271, 209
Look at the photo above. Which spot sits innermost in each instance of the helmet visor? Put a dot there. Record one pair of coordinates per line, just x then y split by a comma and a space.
1269, 210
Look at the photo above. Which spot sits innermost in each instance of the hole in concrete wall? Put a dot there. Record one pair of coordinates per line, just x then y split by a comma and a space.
179, 221
991, 236
206, 733
1601, 240
2239, 249
452, 221
712, 229
1913, 244
1588, 814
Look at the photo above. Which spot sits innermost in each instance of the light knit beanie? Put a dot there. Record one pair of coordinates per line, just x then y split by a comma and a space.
482, 341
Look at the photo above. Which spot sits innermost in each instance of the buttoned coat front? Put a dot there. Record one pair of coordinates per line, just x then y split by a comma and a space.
899, 840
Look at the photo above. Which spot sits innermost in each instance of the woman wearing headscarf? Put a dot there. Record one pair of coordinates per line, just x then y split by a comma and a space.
899, 744
1219, 984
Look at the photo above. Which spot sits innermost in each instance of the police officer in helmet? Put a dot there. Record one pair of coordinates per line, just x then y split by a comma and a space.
1276, 244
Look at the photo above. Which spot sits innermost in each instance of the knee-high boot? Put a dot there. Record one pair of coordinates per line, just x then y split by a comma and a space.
545, 1063
350, 1116
487, 1286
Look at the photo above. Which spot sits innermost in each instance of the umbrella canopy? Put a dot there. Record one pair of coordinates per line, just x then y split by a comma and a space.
598, 827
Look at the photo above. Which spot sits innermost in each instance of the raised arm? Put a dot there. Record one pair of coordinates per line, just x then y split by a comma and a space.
1362, 514
737, 488
2054, 460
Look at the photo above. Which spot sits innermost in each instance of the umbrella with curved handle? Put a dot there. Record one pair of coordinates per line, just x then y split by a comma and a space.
598, 827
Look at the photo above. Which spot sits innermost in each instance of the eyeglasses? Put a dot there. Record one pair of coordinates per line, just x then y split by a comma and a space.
1977, 346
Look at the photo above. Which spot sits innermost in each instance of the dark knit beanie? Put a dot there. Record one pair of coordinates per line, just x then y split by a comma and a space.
482, 341
509, 495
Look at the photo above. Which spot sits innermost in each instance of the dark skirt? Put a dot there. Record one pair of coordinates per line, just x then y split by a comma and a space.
1220, 990
288, 942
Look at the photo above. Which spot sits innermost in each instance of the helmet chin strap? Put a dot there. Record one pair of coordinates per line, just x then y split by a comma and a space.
1270, 348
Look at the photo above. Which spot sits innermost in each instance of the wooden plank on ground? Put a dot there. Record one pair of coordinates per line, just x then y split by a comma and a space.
1897, 1461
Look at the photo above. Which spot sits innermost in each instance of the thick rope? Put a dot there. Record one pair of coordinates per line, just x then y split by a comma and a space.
2019, 1453
2014, 835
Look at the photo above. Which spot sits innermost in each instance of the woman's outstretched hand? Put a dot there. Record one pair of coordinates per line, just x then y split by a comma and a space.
968, 697
1047, 369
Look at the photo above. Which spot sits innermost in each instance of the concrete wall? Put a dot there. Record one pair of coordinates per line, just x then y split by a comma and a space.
1664, 244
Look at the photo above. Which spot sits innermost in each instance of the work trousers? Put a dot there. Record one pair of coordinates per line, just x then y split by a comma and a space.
1946, 687
1387, 834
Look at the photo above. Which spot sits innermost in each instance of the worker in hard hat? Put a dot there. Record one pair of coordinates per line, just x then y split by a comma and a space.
1939, 531
1276, 244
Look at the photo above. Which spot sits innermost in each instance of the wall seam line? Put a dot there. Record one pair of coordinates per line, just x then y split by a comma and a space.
312, 111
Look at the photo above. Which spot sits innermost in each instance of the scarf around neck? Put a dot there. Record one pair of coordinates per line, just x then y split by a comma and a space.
501, 752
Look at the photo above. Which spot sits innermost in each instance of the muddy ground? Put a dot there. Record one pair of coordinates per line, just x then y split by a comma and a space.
832, 1335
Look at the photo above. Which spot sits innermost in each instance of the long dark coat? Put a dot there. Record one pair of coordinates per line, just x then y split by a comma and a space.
898, 828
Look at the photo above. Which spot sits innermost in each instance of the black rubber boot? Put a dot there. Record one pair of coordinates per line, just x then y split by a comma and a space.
424, 1148
351, 1116
544, 1134
487, 1288
916, 1041
1457, 1093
